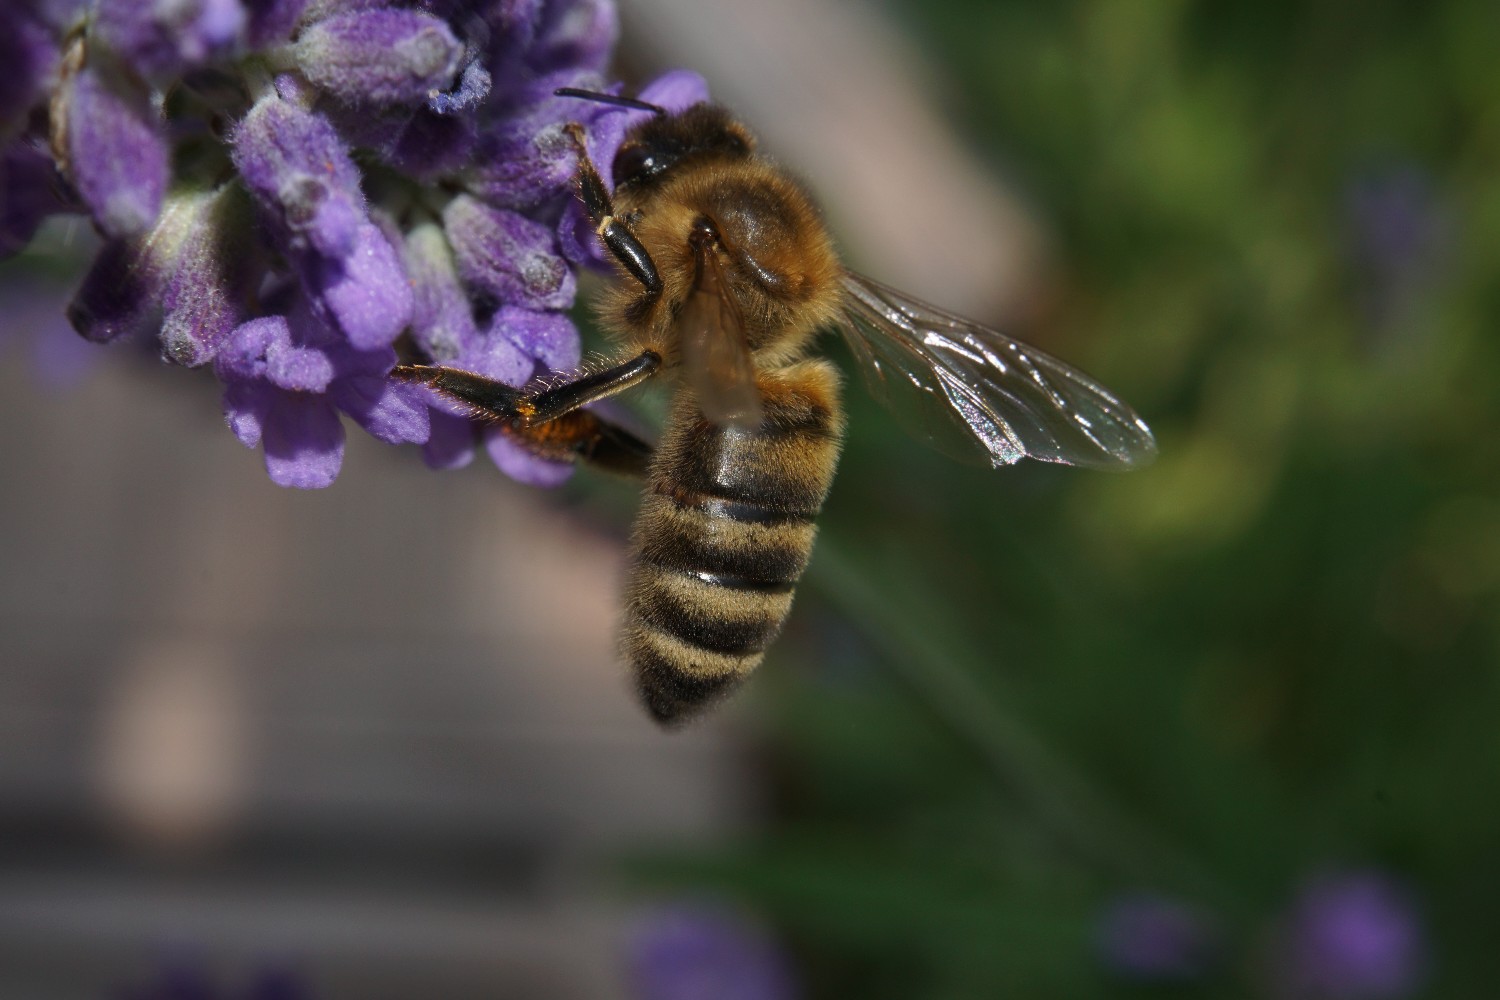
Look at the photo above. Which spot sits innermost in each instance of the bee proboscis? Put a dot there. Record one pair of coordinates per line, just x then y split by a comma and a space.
727, 275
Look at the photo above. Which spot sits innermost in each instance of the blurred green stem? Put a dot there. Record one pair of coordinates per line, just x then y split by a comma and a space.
1062, 797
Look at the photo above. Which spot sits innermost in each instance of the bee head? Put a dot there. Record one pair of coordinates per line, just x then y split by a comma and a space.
703, 131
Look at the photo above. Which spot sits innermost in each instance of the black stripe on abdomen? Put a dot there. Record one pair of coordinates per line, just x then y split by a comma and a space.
702, 620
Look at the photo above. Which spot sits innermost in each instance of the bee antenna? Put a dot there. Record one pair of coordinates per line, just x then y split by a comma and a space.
616, 100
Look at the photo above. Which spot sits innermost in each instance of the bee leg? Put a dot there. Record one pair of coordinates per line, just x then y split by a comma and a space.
614, 231
586, 436
552, 421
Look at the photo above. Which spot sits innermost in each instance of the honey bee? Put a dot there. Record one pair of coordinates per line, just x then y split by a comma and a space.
728, 273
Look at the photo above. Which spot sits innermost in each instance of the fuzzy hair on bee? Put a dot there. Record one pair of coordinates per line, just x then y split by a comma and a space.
727, 274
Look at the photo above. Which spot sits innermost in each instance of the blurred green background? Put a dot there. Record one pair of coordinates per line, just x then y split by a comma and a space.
1010, 700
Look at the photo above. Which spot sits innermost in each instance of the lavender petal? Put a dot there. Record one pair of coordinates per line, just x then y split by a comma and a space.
394, 412
508, 256
451, 443
304, 441
385, 56
549, 337
367, 293
117, 152
247, 406
521, 464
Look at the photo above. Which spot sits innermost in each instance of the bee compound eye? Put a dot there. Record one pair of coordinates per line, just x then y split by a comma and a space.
634, 162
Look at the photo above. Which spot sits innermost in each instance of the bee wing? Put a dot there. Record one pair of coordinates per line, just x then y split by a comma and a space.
976, 393
715, 353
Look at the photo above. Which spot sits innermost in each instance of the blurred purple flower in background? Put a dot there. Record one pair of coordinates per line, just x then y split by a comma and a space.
188, 978
1399, 238
691, 952
1151, 937
1350, 936
292, 191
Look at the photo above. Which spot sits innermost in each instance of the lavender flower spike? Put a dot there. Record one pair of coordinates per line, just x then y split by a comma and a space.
389, 56
286, 188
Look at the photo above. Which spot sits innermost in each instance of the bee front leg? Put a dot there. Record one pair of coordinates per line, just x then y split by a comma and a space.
613, 231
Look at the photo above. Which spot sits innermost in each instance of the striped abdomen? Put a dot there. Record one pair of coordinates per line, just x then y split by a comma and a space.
724, 533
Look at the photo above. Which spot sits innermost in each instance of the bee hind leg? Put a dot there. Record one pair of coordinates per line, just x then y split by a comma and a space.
552, 421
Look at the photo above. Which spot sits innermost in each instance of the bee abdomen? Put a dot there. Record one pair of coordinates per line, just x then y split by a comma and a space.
724, 534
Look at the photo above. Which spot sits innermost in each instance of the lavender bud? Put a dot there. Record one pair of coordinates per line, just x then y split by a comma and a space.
299, 171
442, 319
271, 22
367, 293
117, 155
388, 56
508, 256
523, 164
211, 283
161, 38
121, 294
28, 55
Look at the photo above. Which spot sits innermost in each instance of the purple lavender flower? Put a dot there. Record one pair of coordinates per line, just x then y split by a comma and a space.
702, 951
1350, 936
295, 193
1155, 938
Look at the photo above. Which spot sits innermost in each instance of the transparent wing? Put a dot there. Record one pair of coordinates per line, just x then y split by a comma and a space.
976, 393
715, 354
